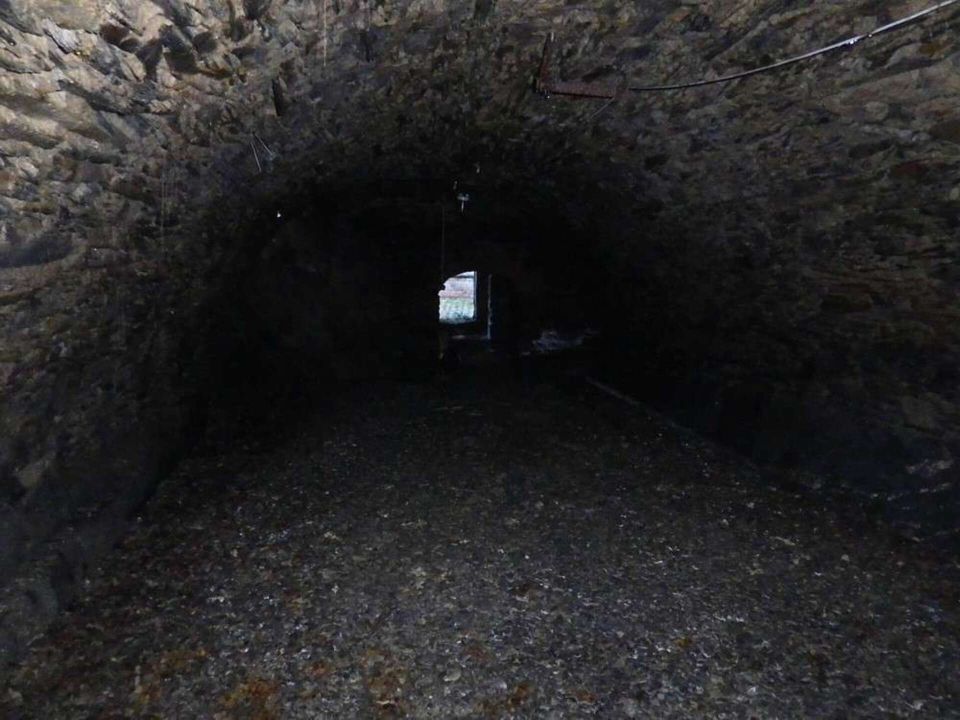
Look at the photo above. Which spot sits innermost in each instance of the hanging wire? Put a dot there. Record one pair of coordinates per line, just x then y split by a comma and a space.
842, 45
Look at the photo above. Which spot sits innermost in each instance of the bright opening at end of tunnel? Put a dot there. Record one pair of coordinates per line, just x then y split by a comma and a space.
458, 299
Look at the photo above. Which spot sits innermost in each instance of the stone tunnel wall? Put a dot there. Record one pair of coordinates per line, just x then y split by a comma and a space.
783, 252
139, 143
791, 236
840, 370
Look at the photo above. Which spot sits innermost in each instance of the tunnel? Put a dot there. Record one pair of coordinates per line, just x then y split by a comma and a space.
479, 358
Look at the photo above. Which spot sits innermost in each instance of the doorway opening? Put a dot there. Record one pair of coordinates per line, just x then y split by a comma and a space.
458, 299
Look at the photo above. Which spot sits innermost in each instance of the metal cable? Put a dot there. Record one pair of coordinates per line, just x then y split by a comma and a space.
842, 45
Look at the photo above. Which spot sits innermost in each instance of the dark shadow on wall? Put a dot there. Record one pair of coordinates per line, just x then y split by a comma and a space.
822, 372
332, 294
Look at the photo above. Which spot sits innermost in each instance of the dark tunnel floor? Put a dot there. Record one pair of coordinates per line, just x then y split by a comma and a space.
470, 549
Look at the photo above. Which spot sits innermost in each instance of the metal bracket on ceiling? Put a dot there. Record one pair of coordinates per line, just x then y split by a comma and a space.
547, 85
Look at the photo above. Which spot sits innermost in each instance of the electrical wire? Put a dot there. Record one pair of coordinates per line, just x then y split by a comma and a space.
842, 45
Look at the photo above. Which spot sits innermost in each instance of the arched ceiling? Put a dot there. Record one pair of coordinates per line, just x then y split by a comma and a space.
126, 115
780, 251
138, 138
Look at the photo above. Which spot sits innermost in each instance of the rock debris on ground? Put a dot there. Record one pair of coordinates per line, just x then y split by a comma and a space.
484, 550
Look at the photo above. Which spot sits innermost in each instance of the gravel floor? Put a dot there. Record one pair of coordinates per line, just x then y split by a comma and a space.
479, 550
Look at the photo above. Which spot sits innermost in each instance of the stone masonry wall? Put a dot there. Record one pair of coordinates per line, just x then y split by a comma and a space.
799, 224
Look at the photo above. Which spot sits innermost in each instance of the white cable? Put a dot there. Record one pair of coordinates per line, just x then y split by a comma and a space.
843, 44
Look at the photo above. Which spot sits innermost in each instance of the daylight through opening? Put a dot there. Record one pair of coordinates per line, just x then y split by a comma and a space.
458, 299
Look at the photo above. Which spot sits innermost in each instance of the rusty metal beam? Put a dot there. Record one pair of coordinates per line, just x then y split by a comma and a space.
547, 85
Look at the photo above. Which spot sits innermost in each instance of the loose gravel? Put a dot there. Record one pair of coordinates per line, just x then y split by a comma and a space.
479, 549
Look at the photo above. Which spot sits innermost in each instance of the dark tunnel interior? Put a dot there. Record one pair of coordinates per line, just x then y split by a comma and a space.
429, 358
